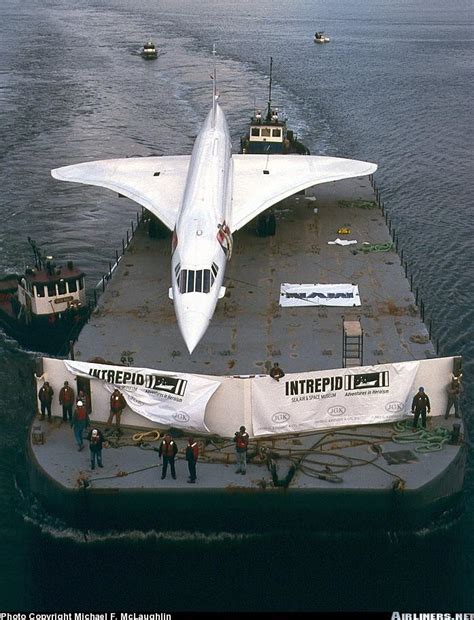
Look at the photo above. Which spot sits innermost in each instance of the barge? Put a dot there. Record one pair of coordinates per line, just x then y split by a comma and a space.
343, 471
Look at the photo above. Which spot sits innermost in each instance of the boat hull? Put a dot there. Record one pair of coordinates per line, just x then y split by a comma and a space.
236, 508
48, 334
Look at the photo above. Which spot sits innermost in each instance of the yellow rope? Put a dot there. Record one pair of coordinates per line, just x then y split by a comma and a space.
148, 436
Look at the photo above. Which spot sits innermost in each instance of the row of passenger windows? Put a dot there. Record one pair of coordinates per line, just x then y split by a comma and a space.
266, 132
63, 287
200, 281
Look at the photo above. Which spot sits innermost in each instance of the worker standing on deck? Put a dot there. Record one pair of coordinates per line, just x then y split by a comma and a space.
80, 420
168, 450
454, 390
276, 372
85, 399
45, 396
420, 405
96, 440
66, 399
192, 453
117, 405
241, 439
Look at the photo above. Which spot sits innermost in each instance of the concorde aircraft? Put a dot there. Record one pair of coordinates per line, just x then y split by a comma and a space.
204, 198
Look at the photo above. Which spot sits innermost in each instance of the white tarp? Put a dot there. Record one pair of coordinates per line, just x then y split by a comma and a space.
342, 242
169, 399
330, 398
319, 295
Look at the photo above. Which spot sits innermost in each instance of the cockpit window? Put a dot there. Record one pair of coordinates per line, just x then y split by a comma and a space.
190, 284
200, 281
206, 285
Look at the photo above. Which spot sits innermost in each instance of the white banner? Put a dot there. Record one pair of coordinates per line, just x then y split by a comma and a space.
169, 399
319, 295
330, 398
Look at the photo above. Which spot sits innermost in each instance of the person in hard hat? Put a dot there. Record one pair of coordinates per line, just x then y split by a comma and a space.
241, 439
276, 372
85, 399
66, 399
192, 454
96, 440
454, 392
167, 451
45, 396
419, 406
117, 405
80, 420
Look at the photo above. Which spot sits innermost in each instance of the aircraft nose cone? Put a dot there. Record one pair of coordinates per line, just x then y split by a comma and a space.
193, 325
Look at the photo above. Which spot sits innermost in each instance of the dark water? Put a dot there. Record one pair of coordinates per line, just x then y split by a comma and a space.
394, 87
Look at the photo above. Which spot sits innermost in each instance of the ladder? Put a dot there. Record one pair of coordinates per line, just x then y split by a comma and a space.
352, 343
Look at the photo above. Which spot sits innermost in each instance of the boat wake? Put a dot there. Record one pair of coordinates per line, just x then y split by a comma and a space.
54, 528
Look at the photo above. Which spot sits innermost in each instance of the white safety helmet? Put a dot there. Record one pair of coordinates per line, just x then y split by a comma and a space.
80, 403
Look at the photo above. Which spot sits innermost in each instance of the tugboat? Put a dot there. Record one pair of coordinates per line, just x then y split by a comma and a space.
320, 37
45, 308
269, 134
149, 51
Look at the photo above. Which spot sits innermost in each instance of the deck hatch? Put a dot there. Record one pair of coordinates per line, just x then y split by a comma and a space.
399, 456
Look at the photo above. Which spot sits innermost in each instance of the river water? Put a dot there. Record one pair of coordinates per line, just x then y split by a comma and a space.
393, 87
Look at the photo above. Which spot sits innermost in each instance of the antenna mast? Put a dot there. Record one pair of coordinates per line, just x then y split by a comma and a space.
269, 109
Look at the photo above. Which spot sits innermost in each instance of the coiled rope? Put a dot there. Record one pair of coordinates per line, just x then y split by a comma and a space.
429, 440
376, 247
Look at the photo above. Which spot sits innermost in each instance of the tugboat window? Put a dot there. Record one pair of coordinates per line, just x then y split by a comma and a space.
62, 287
72, 285
276, 133
81, 283
39, 290
265, 132
51, 289
255, 131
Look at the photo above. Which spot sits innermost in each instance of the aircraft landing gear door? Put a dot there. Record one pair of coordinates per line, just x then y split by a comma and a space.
85, 385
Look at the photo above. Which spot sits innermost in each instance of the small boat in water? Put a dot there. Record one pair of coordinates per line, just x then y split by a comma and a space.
320, 37
149, 51
269, 134
44, 308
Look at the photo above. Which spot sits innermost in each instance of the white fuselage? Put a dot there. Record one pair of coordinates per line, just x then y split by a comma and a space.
201, 243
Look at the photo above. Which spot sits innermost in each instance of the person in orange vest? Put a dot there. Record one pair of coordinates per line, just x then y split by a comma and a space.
96, 440
454, 390
66, 399
168, 450
192, 454
79, 421
45, 396
85, 399
241, 439
117, 405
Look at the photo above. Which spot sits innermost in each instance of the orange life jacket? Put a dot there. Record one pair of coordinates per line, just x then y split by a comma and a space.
81, 412
242, 441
